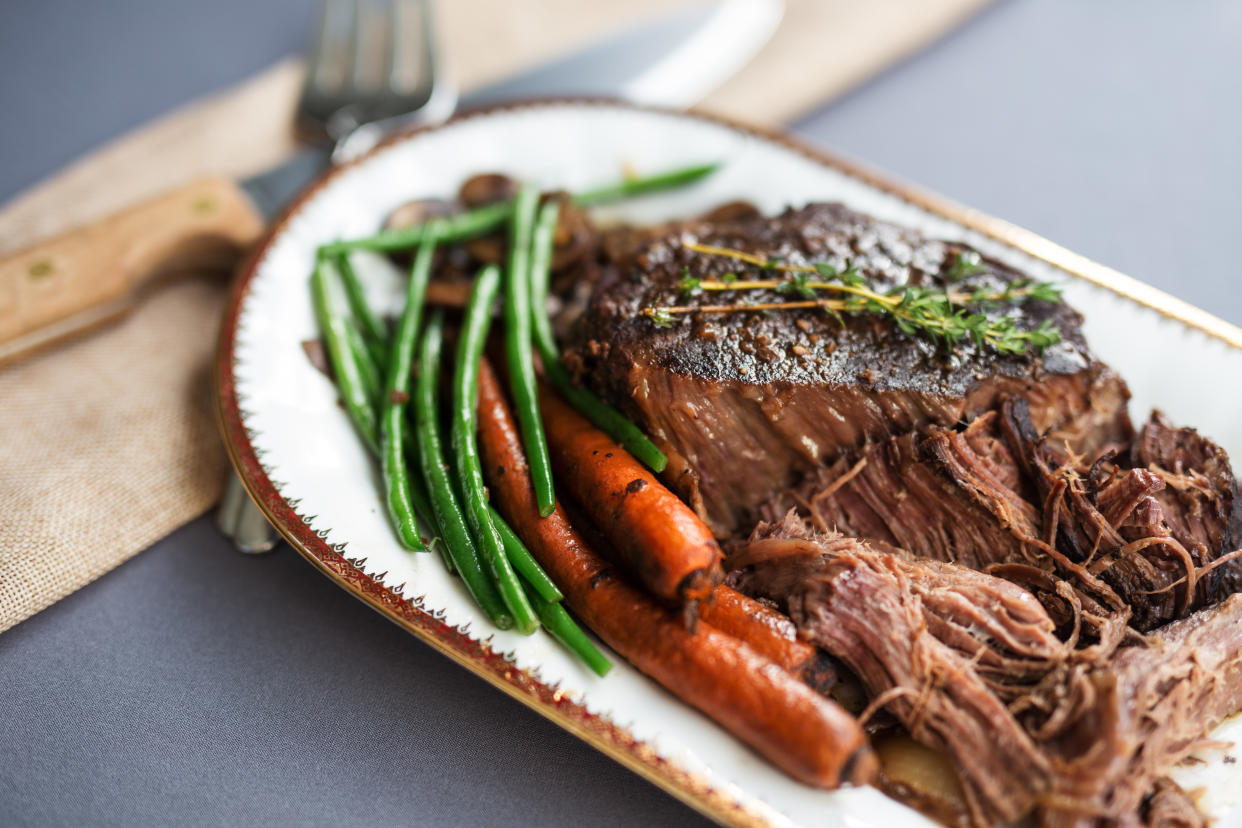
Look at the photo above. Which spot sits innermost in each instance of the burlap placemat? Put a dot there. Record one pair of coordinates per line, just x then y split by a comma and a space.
109, 443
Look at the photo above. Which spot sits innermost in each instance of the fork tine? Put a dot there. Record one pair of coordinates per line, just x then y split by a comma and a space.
316, 56
405, 35
390, 20
350, 40
428, 56
377, 46
328, 62
372, 62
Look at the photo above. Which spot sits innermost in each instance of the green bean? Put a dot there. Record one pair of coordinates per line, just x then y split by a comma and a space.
349, 381
484, 220
454, 532
396, 394
524, 562
600, 413
641, 186
422, 501
465, 426
366, 364
557, 621
543, 242
374, 331
461, 227
606, 418
518, 354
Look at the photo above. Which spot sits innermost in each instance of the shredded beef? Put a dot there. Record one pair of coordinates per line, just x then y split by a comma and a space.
972, 665
997, 493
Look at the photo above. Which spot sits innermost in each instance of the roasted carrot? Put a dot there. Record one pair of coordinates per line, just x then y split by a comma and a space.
768, 633
810, 737
659, 538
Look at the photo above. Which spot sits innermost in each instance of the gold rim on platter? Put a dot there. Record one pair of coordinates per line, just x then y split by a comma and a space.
475, 655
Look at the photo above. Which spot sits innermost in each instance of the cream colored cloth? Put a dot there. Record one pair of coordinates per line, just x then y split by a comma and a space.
109, 443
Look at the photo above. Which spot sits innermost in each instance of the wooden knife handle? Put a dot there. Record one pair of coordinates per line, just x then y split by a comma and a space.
94, 273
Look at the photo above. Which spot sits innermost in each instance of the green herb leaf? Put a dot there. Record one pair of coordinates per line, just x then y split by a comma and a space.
826, 271
1045, 292
660, 317
851, 275
688, 284
967, 263
796, 285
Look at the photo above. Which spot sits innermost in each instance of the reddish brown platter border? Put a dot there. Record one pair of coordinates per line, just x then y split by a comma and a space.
477, 656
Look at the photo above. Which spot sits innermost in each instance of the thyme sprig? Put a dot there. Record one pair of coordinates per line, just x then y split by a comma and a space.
948, 317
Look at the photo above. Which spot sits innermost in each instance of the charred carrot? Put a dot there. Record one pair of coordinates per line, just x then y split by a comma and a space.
810, 737
659, 538
769, 633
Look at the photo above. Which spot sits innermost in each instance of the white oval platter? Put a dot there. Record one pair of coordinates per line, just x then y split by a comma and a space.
298, 456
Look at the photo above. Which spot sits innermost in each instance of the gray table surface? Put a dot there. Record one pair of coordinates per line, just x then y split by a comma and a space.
193, 686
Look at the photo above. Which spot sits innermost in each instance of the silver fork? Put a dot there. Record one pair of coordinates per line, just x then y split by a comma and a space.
372, 69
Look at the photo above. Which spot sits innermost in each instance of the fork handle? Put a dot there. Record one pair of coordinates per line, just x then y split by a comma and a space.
94, 273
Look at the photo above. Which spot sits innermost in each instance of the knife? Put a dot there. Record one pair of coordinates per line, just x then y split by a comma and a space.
59, 287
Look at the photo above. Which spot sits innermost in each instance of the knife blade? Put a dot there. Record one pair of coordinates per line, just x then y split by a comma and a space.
673, 60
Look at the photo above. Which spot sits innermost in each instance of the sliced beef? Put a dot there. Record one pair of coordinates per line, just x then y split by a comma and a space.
973, 666
997, 493
956, 497
893, 495
780, 394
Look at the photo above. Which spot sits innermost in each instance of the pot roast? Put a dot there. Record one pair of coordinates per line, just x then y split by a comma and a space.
781, 394
1015, 574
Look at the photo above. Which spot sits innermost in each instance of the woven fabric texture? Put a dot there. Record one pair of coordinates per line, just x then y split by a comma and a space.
106, 445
